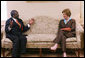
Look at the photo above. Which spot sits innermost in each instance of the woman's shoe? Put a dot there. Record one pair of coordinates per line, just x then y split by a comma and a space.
53, 48
64, 54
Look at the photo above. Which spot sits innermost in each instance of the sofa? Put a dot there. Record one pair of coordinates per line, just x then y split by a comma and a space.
42, 33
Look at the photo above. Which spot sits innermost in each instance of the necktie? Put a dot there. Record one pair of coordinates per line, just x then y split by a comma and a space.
19, 24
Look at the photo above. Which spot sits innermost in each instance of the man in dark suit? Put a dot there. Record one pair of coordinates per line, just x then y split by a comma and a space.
14, 29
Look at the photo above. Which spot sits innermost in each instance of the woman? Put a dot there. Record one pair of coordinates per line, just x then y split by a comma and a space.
66, 29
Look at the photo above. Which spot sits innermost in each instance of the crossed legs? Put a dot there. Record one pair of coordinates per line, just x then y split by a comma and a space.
60, 39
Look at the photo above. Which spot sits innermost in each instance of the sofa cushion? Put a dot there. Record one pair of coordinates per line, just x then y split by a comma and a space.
33, 39
40, 38
45, 38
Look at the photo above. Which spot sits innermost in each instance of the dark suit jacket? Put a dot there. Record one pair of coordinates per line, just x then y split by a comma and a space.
16, 30
71, 24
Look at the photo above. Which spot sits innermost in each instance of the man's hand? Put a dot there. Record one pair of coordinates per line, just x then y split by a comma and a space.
31, 21
66, 29
11, 23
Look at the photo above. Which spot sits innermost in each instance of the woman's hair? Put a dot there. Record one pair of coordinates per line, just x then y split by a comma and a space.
67, 12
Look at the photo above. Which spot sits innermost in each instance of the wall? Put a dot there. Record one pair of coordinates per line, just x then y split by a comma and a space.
82, 12
53, 9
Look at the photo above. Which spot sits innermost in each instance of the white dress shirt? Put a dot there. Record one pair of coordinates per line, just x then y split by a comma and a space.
15, 21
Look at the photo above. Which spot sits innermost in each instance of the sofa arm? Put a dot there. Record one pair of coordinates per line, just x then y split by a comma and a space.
78, 39
79, 30
2, 32
79, 27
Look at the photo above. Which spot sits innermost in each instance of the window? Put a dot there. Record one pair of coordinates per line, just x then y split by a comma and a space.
3, 10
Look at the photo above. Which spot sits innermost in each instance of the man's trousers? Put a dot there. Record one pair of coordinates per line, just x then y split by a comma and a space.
19, 44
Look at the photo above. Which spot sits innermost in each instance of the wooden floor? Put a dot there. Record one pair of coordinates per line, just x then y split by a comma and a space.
48, 53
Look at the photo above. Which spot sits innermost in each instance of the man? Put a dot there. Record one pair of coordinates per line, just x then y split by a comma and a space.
14, 29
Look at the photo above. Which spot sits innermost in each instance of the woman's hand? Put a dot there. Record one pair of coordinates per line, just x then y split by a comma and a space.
66, 29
